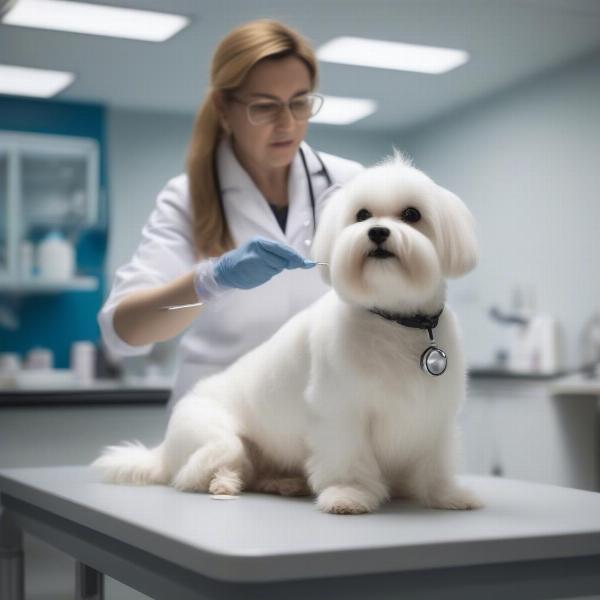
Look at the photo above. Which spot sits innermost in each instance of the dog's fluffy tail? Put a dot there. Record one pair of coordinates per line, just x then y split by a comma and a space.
132, 463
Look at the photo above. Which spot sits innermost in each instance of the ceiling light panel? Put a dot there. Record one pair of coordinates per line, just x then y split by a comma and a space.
25, 81
391, 55
95, 19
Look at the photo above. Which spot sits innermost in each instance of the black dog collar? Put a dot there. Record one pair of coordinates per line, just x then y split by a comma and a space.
434, 360
417, 321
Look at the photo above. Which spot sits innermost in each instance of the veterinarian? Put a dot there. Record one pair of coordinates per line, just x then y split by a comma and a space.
235, 231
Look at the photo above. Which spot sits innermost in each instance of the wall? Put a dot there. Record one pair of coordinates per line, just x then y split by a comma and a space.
526, 162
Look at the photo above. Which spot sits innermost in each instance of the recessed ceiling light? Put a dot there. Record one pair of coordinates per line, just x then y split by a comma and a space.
391, 55
95, 19
343, 111
25, 81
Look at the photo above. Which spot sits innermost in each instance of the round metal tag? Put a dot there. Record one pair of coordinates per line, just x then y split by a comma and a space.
434, 361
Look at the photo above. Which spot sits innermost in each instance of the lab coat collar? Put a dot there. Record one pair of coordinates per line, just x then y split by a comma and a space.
234, 180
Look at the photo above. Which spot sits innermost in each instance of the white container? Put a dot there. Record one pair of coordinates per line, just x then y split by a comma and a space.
83, 361
39, 358
10, 363
537, 346
545, 356
56, 258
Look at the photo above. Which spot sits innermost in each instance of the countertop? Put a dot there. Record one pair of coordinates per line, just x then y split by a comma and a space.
131, 390
493, 372
576, 385
156, 390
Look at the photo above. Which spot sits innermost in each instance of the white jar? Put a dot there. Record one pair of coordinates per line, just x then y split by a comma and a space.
39, 358
56, 257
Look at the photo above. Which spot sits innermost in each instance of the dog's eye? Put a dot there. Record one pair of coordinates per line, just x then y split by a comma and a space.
411, 215
363, 214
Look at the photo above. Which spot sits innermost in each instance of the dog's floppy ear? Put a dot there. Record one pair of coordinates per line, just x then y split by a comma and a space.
455, 235
326, 228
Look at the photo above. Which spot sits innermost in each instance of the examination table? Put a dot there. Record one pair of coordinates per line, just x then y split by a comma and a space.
530, 541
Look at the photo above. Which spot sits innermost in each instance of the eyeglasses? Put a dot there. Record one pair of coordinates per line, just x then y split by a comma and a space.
261, 112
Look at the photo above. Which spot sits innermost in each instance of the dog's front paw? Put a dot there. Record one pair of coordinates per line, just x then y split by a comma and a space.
346, 500
226, 481
454, 498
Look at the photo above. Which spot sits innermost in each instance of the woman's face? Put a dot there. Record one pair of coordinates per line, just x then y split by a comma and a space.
270, 79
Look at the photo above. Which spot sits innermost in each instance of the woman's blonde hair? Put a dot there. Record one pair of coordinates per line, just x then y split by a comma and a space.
235, 55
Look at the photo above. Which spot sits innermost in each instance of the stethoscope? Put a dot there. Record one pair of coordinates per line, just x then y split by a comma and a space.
323, 171
311, 192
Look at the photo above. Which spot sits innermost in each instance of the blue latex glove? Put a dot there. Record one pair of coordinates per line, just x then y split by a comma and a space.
256, 262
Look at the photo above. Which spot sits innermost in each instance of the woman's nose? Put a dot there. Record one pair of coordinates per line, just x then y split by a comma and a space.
284, 117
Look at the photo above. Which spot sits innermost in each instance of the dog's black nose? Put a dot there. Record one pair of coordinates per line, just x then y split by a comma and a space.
379, 234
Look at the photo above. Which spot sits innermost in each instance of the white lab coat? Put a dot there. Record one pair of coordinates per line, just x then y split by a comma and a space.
231, 324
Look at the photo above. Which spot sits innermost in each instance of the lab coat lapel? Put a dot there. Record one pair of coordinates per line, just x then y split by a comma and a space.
298, 200
299, 229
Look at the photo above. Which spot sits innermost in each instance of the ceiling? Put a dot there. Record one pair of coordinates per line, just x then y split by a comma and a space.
509, 41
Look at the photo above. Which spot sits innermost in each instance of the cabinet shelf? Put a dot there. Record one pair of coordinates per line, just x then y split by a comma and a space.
37, 285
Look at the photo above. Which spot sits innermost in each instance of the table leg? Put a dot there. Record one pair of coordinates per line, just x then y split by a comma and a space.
12, 571
89, 583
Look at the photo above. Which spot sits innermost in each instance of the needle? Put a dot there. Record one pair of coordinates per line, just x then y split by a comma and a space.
194, 304
178, 306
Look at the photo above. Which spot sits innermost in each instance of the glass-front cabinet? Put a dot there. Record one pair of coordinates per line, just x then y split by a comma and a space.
48, 191
3, 212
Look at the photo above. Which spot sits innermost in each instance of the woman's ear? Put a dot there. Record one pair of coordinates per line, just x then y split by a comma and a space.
455, 235
220, 107
218, 100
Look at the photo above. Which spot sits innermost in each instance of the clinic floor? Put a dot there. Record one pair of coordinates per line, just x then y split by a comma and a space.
50, 575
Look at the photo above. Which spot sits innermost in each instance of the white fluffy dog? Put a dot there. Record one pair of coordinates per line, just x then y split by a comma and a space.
337, 397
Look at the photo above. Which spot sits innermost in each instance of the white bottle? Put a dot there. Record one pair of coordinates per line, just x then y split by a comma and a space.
543, 341
83, 361
56, 257
523, 305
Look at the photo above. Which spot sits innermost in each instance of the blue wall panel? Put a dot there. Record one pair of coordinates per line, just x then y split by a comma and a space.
56, 320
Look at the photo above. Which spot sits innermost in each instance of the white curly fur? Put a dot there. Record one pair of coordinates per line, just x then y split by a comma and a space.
335, 403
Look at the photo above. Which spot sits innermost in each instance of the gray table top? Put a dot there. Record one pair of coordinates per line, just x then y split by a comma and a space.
259, 537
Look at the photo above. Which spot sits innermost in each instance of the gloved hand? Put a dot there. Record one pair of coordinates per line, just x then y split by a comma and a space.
248, 266
256, 262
